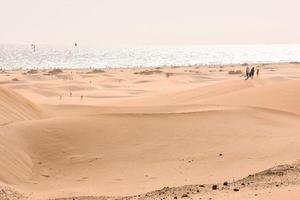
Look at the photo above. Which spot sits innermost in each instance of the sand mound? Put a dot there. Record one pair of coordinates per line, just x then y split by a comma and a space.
15, 107
274, 94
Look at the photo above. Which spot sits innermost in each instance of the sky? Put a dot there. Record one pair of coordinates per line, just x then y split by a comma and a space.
149, 22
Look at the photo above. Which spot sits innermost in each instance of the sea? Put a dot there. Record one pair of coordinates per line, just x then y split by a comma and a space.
13, 56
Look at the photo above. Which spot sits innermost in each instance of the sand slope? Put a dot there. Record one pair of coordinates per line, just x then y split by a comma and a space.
15, 164
15, 107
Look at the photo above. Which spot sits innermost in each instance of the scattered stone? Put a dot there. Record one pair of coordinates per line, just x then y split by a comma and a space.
185, 195
220, 154
45, 175
225, 183
175, 197
236, 190
214, 187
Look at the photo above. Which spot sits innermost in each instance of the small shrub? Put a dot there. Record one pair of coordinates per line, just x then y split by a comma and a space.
184, 196
149, 72
168, 74
55, 71
232, 72
95, 71
32, 71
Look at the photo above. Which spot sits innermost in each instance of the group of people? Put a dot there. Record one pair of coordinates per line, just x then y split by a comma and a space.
251, 72
71, 94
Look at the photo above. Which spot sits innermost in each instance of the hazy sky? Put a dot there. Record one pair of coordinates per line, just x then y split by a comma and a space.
149, 22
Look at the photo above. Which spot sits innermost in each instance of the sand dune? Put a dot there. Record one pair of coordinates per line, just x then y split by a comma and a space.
181, 134
15, 107
274, 94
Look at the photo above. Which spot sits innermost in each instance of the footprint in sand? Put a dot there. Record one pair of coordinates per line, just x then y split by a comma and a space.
45, 175
82, 179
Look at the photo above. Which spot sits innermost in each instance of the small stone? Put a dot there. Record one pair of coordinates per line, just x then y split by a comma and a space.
184, 195
236, 190
214, 187
225, 183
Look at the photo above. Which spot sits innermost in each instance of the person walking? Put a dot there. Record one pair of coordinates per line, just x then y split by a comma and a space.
247, 71
252, 72
257, 71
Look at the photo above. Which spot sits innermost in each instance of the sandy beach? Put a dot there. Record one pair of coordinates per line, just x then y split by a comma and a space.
199, 132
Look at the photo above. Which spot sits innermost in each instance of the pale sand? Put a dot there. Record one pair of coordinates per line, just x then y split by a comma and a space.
134, 133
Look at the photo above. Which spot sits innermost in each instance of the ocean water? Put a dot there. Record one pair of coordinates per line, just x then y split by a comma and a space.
47, 56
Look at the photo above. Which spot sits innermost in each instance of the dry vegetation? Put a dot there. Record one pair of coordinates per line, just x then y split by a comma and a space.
96, 71
168, 74
32, 71
295, 63
149, 72
55, 71
15, 79
232, 72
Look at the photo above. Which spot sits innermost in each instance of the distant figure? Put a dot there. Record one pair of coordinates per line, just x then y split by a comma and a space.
60, 97
71, 94
247, 71
75, 44
257, 72
252, 72
81, 97
33, 47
